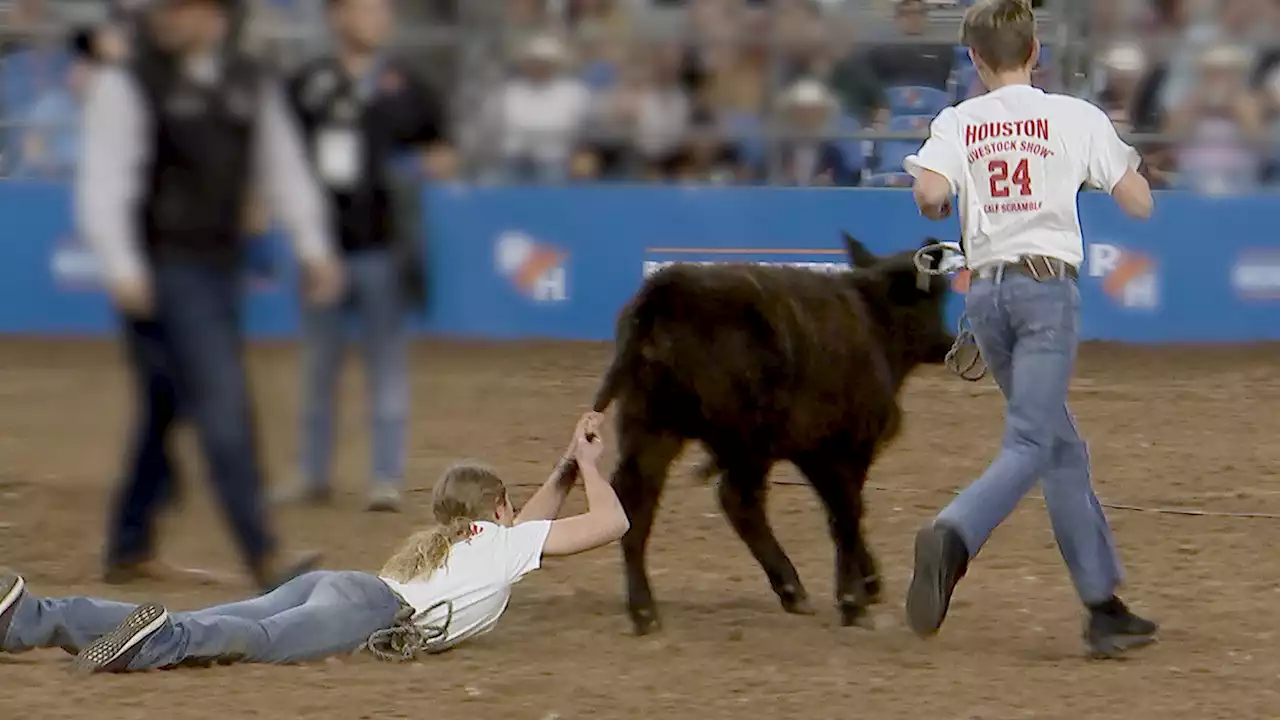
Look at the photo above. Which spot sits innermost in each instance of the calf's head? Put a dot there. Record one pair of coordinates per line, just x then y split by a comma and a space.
910, 303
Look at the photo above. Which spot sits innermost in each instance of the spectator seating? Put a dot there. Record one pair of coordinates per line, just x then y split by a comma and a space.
891, 153
916, 100
747, 134
844, 127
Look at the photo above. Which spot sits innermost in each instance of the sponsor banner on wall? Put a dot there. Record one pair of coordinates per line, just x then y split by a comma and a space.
559, 262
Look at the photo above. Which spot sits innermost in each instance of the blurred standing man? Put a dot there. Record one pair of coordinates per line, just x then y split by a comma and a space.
172, 142
358, 109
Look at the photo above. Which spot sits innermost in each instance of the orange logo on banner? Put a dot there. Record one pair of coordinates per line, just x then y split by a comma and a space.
1132, 265
541, 260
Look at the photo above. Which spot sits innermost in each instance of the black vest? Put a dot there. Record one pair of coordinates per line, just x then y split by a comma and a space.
202, 158
326, 98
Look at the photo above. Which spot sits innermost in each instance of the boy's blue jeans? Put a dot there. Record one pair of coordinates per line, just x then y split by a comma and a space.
1028, 331
313, 616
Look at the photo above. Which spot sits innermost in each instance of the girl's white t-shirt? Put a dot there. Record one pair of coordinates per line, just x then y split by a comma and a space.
477, 579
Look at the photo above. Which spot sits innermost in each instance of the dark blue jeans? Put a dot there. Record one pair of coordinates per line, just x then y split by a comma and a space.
187, 359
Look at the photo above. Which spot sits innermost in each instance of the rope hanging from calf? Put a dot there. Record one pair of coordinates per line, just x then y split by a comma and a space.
953, 260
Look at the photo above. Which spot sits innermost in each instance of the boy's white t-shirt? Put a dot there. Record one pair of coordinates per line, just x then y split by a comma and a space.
1016, 157
477, 579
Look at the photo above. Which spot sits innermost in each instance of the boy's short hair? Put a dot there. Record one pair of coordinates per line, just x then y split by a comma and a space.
1001, 32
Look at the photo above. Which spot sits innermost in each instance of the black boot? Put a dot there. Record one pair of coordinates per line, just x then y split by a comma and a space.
941, 560
1112, 629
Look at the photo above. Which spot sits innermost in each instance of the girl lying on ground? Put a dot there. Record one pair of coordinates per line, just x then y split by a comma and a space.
445, 585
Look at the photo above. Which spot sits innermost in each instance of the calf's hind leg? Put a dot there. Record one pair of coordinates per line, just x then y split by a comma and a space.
742, 491
638, 481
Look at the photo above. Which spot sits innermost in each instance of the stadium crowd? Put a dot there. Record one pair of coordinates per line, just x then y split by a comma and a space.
792, 92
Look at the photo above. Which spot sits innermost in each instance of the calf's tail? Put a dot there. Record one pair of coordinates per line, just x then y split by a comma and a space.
625, 354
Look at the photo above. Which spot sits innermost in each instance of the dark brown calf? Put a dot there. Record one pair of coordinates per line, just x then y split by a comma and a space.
762, 364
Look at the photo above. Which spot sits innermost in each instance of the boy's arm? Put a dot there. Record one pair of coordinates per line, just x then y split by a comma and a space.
937, 167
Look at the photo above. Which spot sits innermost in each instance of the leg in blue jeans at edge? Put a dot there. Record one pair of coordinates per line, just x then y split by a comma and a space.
376, 300
313, 616
1027, 331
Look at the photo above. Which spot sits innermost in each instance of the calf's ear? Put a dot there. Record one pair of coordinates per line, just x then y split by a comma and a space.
859, 255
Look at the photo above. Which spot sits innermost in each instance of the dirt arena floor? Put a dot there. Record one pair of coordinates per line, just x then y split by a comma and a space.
1168, 429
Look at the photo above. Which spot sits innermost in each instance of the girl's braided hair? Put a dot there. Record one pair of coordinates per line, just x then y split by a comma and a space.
467, 492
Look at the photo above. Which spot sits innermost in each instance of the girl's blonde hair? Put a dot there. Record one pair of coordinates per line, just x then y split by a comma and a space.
467, 492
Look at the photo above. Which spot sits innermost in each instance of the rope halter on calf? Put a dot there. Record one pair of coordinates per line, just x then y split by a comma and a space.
952, 261
405, 640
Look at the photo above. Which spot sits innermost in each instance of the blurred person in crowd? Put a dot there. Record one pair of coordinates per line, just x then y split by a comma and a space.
538, 115
1269, 55
1124, 67
51, 139
916, 62
601, 58
584, 166
855, 84
1127, 96
706, 158
809, 157
802, 48
28, 24
1110, 19
173, 144
647, 114
602, 39
1219, 125
608, 19
523, 20
1228, 22
359, 107
737, 66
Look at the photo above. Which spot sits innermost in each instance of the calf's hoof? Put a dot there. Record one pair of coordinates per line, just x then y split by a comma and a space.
853, 614
874, 594
644, 621
795, 601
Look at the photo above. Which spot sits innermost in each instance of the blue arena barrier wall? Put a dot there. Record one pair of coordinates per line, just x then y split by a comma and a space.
511, 263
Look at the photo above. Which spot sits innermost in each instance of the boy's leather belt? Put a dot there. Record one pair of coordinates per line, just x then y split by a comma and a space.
1036, 267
